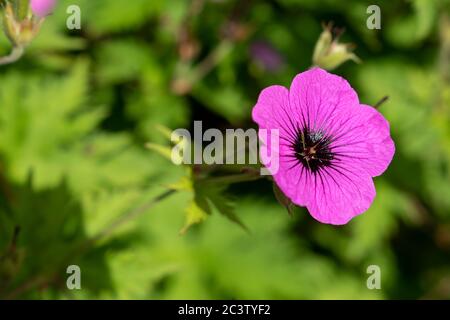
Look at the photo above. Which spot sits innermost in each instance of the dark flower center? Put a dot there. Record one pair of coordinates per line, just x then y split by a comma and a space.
312, 149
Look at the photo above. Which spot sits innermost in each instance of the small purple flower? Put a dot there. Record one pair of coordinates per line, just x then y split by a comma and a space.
330, 145
42, 8
266, 56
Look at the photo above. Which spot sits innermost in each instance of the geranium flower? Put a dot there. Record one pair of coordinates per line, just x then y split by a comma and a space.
330, 145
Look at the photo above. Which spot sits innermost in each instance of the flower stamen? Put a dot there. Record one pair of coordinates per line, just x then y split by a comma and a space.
312, 149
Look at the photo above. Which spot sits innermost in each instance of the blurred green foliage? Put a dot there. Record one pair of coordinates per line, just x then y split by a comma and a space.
77, 110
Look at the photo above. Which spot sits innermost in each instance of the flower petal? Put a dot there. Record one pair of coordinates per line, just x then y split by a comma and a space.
363, 139
293, 179
316, 96
271, 110
340, 193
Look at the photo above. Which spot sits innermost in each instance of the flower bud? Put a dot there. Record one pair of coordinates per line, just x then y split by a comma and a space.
329, 53
42, 8
266, 56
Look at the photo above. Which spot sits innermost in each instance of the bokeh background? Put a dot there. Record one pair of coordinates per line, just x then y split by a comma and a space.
77, 110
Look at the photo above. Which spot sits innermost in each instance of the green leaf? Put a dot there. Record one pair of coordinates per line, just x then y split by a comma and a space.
213, 195
122, 60
409, 30
184, 184
51, 218
216, 195
228, 102
194, 214
42, 120
103, 16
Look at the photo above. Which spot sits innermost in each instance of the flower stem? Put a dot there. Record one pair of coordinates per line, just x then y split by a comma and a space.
235, 178
130, 215
16, 54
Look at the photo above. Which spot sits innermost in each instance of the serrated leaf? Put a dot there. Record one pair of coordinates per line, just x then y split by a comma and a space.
43, 120
214, 195
184, 184
224, 205
194, 214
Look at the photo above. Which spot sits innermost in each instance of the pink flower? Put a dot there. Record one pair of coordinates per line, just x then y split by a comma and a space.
330, 145
42, 8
